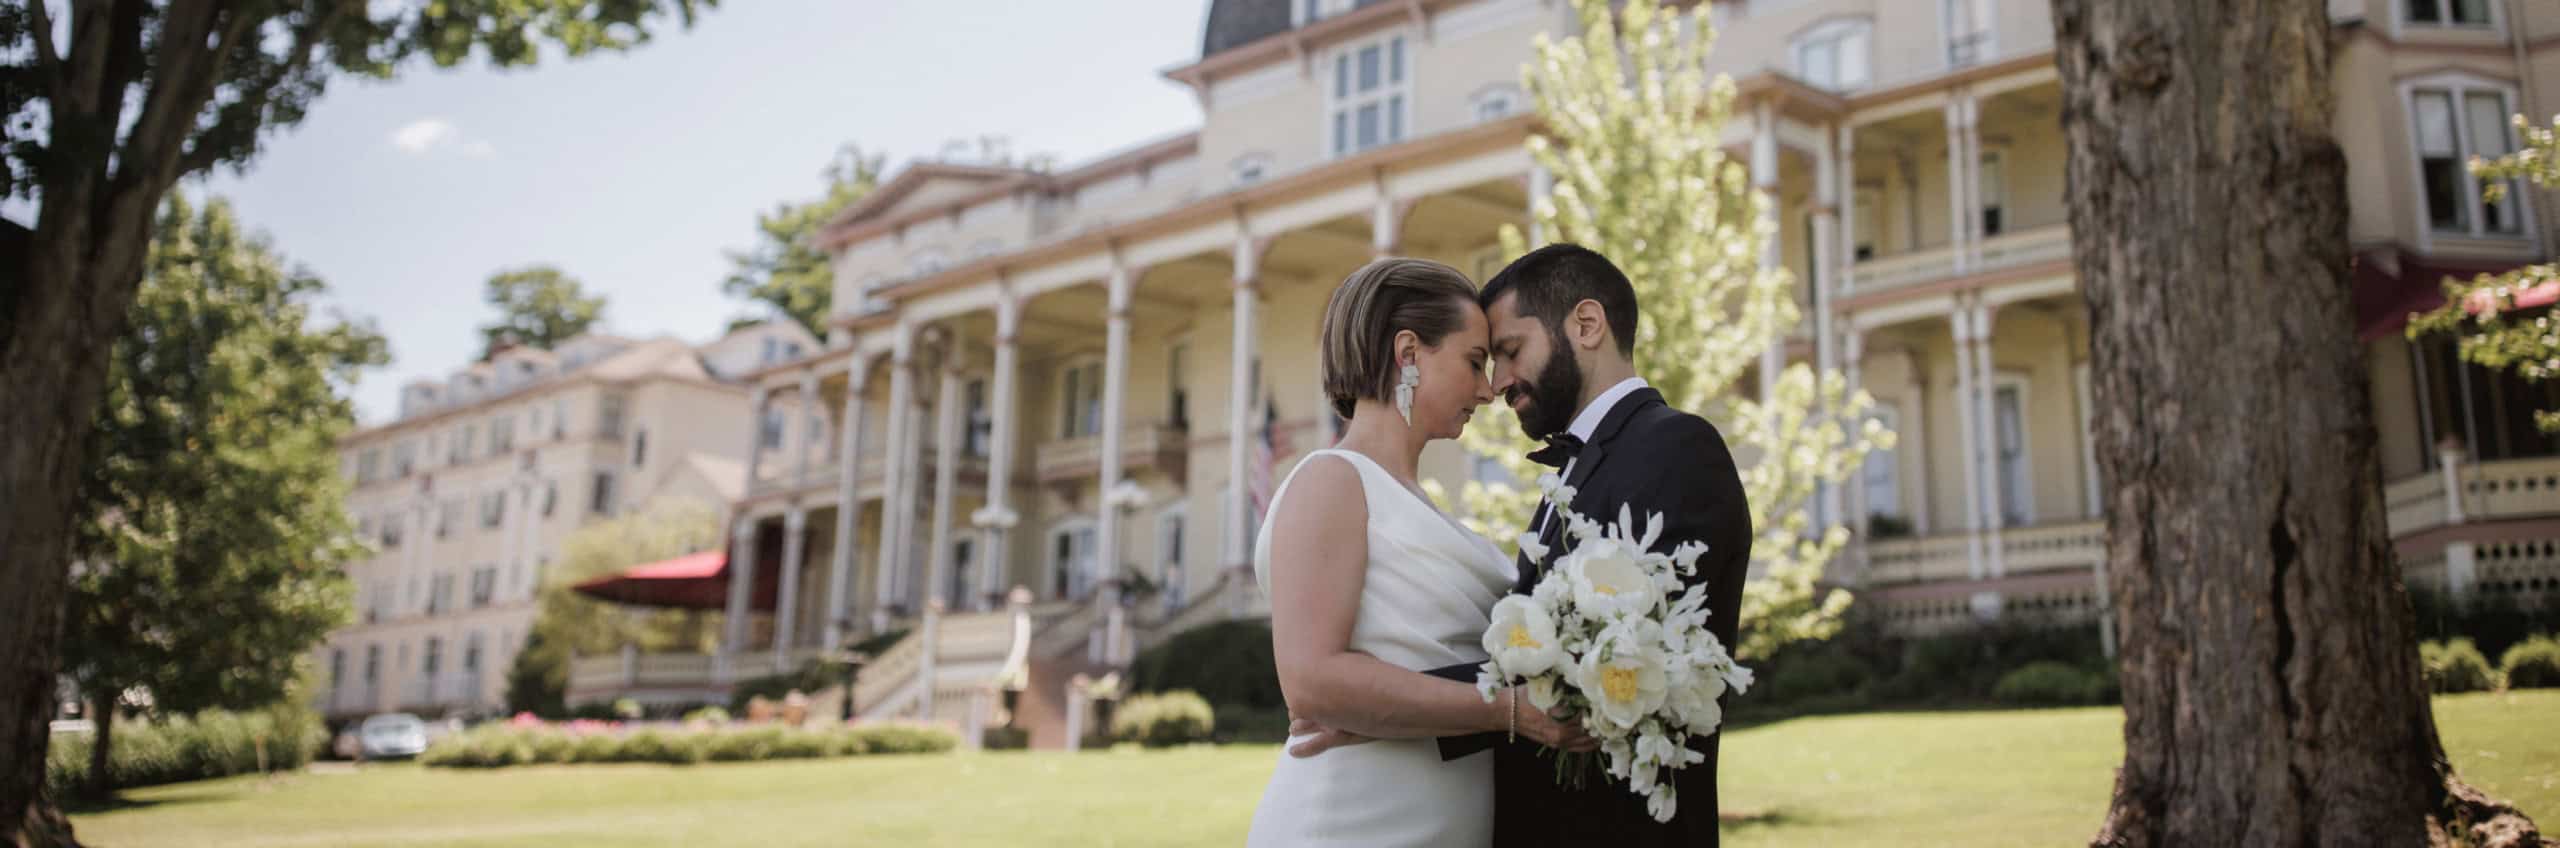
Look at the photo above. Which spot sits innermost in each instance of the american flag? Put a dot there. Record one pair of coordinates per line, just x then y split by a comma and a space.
1267, 447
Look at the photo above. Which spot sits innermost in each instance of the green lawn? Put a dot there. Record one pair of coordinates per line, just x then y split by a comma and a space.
1979, 778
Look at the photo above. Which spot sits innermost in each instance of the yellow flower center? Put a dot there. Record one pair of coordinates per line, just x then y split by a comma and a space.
1618, 683
1603, 588
1520, 638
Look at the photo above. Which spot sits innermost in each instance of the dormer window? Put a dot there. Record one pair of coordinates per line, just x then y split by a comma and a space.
1970, 37
1833, 55
1249, 169
926, 263
1368, 95
1496, 102
1304, 12
2463, 13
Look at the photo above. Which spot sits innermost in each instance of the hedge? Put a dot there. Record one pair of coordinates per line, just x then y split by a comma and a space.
502, 745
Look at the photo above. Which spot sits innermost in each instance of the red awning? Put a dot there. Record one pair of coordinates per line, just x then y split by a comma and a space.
2385, 298
693, 581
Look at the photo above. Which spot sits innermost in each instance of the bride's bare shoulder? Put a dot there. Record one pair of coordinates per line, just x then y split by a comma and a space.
1324, 486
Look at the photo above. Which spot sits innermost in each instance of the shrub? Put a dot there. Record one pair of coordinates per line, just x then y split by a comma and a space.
548, 745
2048, 683
1225, 663
1242, 725
1165, 720
2532, 664
709, 714
1802, 675
741, 745
1005, 739
897, 739
655, 746
604, 747
2494, 622
213, 743
2455, 666
799, 744
808, 680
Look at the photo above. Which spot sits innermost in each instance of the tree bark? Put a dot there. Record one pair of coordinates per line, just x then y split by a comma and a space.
2270, 673
102, 780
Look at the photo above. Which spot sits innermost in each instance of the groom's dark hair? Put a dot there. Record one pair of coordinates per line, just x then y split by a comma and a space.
1551, 279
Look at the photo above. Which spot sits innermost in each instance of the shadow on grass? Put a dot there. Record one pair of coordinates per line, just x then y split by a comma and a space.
1772, 819
1748, 720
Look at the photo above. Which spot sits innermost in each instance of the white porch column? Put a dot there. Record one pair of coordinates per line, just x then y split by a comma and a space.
742, 578
808, 458
2449, 464
848, 506
946, 473
1239, 547
1969, 438
757, 399
1915, 437
1386, 223
1959, 174
1542, 184
786, 602
1972, 111
1985, 384
1764, 177
1826, 221
997, 516
894, 497
1114, 395
1848, 199
1853, 343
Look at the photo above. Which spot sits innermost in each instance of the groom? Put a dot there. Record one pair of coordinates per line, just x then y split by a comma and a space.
1563, 324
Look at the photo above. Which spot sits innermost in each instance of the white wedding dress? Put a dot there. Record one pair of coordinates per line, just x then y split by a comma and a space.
1430, 588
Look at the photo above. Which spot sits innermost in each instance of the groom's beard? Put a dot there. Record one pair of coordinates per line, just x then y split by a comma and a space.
1552, 393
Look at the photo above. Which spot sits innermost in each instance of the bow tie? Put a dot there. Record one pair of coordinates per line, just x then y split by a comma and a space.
1561, 448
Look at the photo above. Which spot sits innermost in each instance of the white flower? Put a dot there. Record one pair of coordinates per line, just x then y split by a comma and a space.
1530, 547
1551, 590
1692, 698
1579, 527
1522, 637
1624, 688
1607, 581
1545, 692
1548, 482
1663, 803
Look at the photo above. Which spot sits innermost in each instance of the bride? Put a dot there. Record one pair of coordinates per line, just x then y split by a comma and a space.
1370, 583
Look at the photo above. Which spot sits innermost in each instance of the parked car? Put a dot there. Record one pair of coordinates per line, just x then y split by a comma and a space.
392, 736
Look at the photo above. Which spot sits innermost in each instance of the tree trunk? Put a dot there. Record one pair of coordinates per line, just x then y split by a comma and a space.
102, 780
2270, 673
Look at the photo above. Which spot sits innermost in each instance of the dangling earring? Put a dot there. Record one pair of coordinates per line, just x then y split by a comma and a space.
1411, 377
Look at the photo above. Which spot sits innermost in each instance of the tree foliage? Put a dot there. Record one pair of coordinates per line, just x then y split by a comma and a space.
212, 522
538, 305
104, 106
2494, 330
569, 624
785, 270
1631, 127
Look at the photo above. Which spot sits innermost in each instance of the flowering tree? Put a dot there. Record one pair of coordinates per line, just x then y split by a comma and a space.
1632, 123
2498, 332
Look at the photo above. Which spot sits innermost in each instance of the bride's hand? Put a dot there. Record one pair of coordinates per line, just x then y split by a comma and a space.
1547, 730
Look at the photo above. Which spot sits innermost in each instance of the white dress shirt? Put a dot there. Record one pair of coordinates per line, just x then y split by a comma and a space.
1584, 424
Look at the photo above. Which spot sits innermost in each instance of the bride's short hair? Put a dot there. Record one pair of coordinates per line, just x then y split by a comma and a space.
1371, 306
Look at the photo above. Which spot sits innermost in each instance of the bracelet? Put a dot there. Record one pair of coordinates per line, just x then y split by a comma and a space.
1515, 713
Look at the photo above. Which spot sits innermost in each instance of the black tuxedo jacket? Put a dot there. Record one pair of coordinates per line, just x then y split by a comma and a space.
1649, 457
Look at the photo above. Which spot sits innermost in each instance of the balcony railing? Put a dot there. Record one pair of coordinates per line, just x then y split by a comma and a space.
1945, 557
2496, 489
1148, 445
644, 675
824, 474
2007, 250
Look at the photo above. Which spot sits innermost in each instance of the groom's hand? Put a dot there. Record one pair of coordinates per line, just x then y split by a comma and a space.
1324, 738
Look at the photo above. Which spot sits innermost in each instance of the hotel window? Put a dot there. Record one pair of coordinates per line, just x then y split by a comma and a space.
1170, 527
1866, 224
1071, 552
434, 656
404, 456
600, 498
372, 663
2449, 12
609, 417
2453, 124
484, 585
926, 263
2009, 443
471, 652
639, 447
440, 594
391, 525
1881, 472
1177, 403
769, 430
493, 509
1304, 12
1992, 184
502, 434
1967, 23
368, 465
1496, 102
1080, 402
981, 424
1369, 96
963, 572
1833, 55
550, 497
559, 418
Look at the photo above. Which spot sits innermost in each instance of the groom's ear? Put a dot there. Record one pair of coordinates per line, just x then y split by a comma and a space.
1587, 325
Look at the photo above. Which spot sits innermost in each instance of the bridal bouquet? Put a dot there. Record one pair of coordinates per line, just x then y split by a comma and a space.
1617, 639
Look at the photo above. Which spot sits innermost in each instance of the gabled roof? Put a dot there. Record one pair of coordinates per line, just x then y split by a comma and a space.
886, 198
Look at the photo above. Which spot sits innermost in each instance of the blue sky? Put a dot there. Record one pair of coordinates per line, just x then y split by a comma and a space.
635, 172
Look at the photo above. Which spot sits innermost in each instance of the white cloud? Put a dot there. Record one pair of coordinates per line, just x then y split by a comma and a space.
423, 135
428, 135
